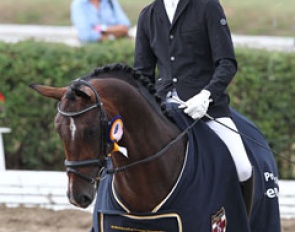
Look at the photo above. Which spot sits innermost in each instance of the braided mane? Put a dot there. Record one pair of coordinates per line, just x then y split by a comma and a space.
126, 73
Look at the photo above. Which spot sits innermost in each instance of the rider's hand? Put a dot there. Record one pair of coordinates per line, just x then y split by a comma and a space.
197, 106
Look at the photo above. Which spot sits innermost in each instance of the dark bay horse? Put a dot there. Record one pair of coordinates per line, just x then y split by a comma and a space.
120, 145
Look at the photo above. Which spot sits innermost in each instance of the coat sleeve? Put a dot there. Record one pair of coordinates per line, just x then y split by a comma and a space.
144, 58
222, 49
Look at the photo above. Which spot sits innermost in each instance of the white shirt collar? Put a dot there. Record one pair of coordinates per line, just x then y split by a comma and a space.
170, 6
171, 3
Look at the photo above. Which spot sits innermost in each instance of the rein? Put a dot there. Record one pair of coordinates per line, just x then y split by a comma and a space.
251, 139
155, 156
240, 133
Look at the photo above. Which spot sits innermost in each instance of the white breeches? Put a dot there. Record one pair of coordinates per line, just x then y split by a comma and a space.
235, 145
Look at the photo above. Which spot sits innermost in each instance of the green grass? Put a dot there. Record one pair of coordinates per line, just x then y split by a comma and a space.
46, 12
263, 17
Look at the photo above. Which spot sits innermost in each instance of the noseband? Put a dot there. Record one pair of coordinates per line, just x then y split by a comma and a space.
100, 161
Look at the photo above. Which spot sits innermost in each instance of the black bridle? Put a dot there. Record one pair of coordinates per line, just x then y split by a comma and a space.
100, 161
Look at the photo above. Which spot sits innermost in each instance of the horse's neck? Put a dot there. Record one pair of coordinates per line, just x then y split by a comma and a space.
145, 134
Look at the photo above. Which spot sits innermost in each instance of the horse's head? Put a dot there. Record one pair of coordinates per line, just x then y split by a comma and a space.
81, 124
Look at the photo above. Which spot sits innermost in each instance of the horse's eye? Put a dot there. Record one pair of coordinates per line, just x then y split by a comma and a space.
91, 132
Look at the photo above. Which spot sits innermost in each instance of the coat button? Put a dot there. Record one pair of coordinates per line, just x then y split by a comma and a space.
171, 37
172, 58
174, 79
223, 22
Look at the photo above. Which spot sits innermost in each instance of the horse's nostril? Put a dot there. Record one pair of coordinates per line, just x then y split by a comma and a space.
84, 201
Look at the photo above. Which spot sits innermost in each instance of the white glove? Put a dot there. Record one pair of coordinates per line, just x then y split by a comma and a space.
197, 106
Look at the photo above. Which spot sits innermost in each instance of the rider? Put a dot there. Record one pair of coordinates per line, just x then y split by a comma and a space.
190, 43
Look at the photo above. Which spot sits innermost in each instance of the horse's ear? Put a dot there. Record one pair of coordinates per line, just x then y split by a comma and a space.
48, 91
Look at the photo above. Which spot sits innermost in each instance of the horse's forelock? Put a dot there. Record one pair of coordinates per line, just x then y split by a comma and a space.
72, 90
70, 94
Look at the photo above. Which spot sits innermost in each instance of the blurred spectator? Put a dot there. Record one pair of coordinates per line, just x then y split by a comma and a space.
97, 20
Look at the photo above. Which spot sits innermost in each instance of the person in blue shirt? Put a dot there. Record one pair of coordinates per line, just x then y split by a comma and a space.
98, 20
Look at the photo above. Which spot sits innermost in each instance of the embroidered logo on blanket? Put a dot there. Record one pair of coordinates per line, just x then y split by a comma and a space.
218, 221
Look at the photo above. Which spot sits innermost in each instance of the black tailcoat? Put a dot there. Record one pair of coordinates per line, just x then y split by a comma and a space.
187, 51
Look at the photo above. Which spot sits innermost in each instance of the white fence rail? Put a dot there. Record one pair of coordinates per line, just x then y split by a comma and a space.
287, 198
61, 34
67, 34
3, 130
43, 189
48, 190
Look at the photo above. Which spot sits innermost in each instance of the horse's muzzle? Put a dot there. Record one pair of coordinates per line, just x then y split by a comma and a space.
82, 200
80, 193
